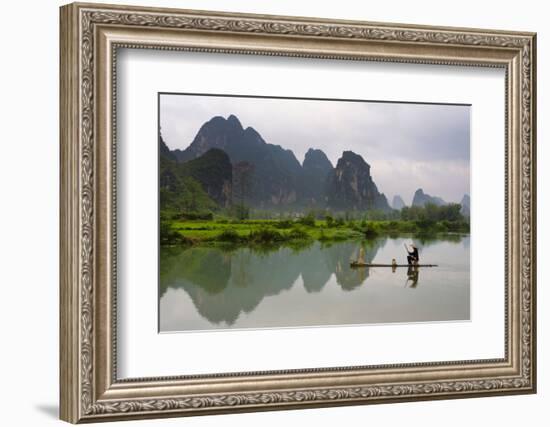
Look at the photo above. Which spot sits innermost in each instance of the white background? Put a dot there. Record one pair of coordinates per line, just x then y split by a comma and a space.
29, 171
141, 347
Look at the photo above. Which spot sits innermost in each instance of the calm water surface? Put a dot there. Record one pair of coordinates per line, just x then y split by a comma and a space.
205, 288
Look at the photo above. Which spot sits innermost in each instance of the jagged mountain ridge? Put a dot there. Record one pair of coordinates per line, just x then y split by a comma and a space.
350, 185
421, 199
397, 202
316, 168
276, 170
278, 178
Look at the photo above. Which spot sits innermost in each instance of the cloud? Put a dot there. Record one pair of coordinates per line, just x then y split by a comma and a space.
408, 145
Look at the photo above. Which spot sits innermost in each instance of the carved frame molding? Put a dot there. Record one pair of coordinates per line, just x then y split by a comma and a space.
89, 387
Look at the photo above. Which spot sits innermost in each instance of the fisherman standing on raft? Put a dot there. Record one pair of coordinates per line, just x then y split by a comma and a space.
413, 257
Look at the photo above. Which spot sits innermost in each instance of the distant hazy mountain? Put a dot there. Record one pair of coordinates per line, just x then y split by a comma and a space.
420, 199
350, 185
465, 203
397, 202
316, 169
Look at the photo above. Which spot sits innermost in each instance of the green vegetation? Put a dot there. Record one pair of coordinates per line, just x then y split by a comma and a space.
207, 198
195, 189
190, 216
273, 232
431, 212
189, 198
168, 236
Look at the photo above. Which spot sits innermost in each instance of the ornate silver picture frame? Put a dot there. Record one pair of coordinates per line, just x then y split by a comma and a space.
91, 35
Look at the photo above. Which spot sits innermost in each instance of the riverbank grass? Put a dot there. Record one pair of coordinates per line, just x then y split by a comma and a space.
280, 231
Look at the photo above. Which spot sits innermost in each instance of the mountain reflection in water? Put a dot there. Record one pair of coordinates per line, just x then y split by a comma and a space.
205, 288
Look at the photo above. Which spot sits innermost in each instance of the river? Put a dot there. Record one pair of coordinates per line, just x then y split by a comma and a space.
207, 288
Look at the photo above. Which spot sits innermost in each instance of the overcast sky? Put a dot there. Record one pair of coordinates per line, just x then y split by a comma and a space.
408, 146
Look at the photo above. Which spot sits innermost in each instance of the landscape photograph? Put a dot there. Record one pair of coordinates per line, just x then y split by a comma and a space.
300, 212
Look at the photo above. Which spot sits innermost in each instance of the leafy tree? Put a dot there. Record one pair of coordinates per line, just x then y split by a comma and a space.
432, 213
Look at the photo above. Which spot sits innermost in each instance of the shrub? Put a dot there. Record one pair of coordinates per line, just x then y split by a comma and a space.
308, 220
342, 235
439, 227
169, 236
229, 235
455, 226
425, 224
357, 226
330, 221
298, 233
284, 223
431, 212
408, 227
370, 231
265, 235
393, 225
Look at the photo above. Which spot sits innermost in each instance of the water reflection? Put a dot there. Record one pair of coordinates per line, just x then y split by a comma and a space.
226, 286
412, 276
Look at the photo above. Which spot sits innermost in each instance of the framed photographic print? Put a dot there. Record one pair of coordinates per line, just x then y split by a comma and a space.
265, 212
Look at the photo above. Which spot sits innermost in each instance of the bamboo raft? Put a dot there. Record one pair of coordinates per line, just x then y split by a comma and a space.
357, 264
